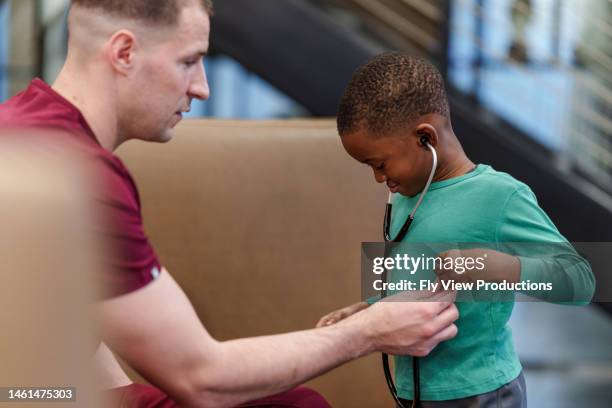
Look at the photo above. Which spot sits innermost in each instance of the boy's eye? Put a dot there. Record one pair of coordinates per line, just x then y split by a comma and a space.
191, 62
380, 166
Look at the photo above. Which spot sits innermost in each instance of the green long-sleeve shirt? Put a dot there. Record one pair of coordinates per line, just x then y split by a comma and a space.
493, 208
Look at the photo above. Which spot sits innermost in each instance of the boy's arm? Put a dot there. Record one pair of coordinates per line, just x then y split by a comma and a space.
157, 332
340, 314
545, 255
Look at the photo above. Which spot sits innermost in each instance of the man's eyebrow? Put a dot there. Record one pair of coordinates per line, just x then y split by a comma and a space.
198, 54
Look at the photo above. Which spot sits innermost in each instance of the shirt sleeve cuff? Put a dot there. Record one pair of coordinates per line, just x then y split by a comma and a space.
529, 269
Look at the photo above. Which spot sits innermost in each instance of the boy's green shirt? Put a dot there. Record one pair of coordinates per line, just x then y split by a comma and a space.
494, 208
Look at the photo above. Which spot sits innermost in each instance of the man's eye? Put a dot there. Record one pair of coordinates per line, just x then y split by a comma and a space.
380, 166
191, 62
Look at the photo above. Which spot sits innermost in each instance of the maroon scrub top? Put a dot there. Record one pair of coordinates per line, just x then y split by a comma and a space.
131, 262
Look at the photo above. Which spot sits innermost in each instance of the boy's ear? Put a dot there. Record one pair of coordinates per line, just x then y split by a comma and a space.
426, 131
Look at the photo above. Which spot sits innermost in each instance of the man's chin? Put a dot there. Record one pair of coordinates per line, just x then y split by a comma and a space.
165, 137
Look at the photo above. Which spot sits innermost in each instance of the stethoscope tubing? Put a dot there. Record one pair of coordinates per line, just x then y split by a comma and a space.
416, 403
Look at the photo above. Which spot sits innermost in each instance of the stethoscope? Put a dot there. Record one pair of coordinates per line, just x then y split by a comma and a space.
416, 402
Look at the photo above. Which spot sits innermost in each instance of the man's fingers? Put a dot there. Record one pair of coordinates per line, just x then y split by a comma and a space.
414, 296
441, 300
445, 318
445, 334
444, 296
448, 331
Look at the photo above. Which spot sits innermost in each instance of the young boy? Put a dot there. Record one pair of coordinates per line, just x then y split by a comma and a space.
390, 105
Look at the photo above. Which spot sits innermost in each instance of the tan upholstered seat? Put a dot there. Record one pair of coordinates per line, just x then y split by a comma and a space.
261, 224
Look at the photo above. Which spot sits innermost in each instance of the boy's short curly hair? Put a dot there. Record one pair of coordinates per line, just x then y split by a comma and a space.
163, 12
389, 92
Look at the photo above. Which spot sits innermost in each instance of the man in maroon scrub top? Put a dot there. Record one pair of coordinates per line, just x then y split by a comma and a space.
133, 67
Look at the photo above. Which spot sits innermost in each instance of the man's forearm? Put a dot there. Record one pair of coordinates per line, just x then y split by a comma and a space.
247, 369
167, 344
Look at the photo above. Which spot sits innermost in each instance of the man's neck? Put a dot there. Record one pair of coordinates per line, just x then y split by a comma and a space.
92, 99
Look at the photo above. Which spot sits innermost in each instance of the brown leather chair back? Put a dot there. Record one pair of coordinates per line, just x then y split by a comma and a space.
261, 225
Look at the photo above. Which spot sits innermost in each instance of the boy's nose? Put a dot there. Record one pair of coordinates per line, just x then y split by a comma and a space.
379, 177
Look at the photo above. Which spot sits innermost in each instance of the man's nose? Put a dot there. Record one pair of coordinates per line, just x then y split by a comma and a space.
199, 86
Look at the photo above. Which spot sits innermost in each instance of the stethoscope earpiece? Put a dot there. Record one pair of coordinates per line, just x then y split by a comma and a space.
424, 141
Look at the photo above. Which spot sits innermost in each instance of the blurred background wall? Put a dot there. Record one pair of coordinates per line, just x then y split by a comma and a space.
530, 83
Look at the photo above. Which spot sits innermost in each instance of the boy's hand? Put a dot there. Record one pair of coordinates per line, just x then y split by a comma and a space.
336, 316
494, 266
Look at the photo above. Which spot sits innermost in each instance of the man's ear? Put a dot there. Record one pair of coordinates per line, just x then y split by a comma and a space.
426, 131
122, 48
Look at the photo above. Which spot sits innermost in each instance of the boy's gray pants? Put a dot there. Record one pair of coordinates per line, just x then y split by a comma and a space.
511, 395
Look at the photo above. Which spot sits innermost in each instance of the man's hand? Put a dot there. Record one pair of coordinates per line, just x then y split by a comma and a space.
401, 325
489, 265
341, 314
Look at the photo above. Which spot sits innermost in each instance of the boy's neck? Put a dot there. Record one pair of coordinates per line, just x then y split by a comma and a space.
453, 164
456, 171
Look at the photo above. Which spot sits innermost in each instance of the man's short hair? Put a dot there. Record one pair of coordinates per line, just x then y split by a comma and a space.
164, 12
389, 92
